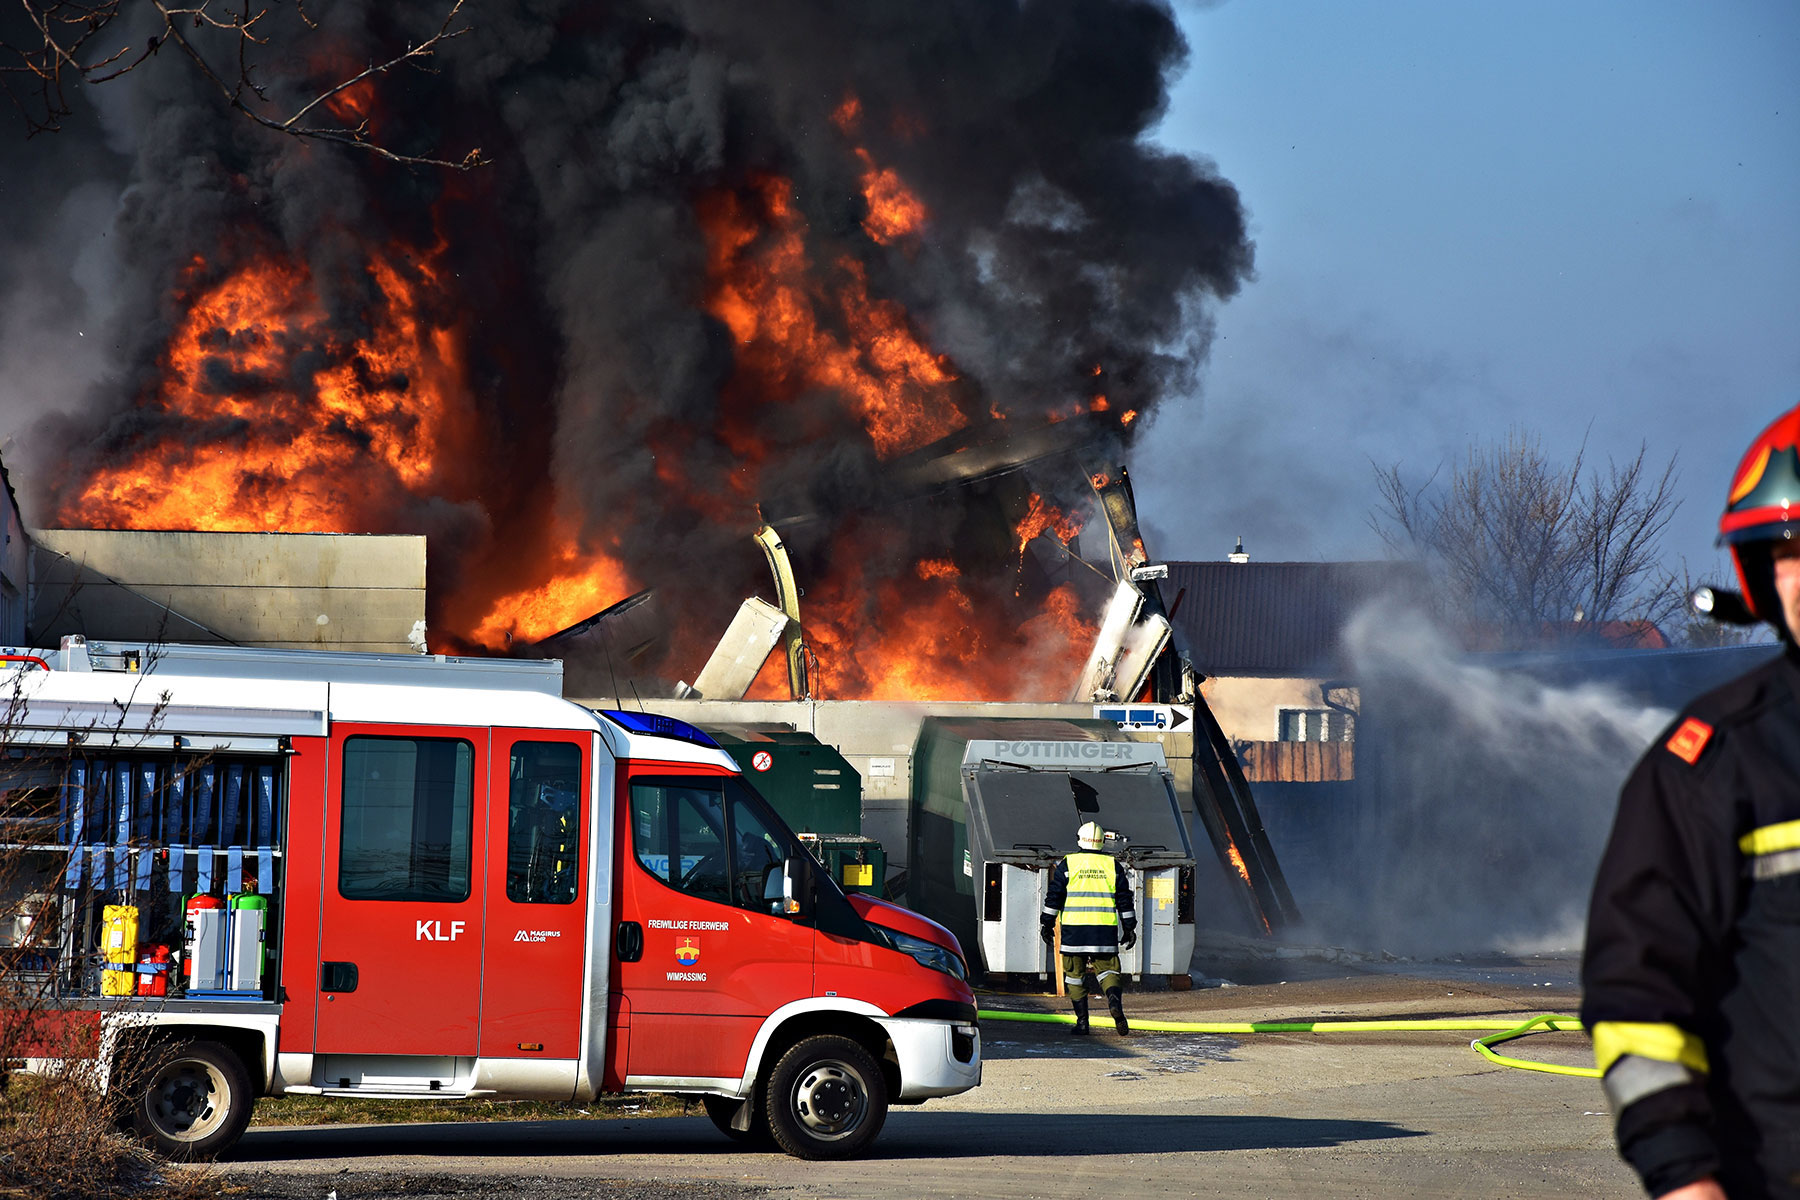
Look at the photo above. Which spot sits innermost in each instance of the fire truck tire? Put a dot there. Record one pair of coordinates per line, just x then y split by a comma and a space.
826, 1098
721, 1109
192, 1099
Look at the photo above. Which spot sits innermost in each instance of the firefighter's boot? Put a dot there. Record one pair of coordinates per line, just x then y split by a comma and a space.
1081, 1022
1115, 1004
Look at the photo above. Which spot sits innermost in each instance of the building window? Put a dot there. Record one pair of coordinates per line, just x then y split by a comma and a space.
1314, 725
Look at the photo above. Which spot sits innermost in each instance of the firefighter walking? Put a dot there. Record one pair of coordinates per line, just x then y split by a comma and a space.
1691, 976
1091, 892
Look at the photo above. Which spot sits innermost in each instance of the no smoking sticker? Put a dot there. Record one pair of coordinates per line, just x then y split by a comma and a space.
762, 760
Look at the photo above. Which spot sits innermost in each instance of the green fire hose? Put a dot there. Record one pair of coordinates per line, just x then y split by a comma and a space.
1498, 1031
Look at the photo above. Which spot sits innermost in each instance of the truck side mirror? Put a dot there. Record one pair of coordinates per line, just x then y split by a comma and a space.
796, 898
774, 887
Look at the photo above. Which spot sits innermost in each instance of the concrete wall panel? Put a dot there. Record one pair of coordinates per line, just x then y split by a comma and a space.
293, 591
255, 560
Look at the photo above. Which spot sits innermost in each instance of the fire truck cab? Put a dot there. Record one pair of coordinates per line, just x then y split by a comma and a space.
270, 872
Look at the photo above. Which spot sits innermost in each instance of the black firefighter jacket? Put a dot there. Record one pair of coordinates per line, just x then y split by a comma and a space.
1691, 977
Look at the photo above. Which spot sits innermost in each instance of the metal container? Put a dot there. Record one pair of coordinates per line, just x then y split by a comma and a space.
244, 954
203, 956
941, 872
996, 806
812, 786
859, 864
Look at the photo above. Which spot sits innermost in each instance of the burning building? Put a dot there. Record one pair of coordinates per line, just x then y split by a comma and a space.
885, 277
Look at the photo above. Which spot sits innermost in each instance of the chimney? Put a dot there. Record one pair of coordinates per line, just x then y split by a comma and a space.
1238, 555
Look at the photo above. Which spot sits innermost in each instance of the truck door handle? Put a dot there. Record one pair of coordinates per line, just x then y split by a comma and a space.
629, 941
337, 977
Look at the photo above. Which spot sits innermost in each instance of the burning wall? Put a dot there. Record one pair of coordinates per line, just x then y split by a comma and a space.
729, 262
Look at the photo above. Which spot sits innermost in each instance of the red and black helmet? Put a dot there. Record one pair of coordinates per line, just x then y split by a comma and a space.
1763, 508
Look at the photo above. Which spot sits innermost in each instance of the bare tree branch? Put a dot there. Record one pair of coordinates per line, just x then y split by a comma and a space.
37, 75
1528, 547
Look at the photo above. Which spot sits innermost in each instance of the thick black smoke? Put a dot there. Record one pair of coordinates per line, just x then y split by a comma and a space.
1058, 240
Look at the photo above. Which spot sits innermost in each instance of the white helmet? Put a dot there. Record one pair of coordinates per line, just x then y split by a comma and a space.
1090, 836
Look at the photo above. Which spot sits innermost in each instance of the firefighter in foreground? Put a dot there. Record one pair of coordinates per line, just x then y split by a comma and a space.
1089, 888
1691, 977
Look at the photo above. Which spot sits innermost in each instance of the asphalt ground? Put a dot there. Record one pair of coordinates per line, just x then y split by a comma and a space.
1274, 1115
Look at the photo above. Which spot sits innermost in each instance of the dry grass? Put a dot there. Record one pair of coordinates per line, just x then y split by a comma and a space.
59, 1140
331, 1110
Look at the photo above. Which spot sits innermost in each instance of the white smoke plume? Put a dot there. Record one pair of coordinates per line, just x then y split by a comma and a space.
1484, 795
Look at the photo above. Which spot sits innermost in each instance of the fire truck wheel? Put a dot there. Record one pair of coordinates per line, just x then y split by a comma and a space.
193, 1099
826, 1098
721, 1109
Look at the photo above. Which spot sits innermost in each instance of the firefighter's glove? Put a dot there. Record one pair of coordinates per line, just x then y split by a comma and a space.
1130, 938
1047, 931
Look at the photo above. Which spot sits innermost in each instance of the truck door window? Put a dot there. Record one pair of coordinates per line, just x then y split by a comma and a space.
756, 850
711, 839
543, 823
408, 805
678, 835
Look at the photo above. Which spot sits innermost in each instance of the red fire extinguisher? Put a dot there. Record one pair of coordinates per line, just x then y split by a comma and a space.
153, 971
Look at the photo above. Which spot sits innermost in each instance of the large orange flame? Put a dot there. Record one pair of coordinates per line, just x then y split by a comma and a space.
894, 211
927, 634
579, 585
286, 440
276, 410
794, 333
1041, 518
274, 419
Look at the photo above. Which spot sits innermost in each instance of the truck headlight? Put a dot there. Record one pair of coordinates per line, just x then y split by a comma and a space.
926, 954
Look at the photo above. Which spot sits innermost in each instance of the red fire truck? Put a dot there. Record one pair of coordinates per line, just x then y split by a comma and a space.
271, 872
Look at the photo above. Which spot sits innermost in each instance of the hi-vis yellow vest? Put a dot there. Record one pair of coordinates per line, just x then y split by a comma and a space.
1090, 896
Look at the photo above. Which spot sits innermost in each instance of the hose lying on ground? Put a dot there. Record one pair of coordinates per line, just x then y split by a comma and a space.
1504, 1030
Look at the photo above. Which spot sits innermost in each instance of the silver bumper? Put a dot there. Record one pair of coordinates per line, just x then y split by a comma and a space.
937, 1058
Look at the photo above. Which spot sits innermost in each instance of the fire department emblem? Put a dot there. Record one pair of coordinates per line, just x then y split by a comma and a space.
687, 951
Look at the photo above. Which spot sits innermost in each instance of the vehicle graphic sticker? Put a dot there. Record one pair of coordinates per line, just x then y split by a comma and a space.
687, 951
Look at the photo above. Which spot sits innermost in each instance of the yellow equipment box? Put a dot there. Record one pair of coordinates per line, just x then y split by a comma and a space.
118, 938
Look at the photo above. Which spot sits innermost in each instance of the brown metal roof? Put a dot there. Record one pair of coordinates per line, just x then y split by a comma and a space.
1274, 618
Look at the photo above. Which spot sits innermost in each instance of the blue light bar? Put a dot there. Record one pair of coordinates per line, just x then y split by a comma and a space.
657, 725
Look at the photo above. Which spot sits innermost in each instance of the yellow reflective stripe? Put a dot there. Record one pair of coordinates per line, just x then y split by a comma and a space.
1664, 1043
1090, 900
1771, 839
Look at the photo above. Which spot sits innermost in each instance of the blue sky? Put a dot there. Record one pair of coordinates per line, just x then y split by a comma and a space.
1570, 217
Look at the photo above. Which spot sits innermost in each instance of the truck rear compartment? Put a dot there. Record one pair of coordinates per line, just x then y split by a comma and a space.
149, 874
